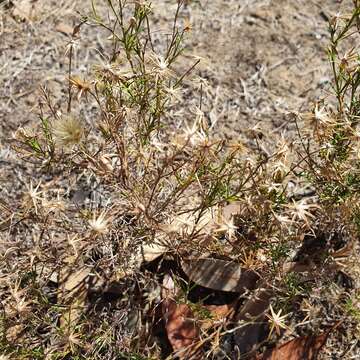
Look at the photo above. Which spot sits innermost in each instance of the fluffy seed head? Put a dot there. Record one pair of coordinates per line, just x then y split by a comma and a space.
68, 131
100, 225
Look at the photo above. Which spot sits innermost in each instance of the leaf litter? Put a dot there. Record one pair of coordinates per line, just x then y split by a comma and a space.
307, 347
219, 274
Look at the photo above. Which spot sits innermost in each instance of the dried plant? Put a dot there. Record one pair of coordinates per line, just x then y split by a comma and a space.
177, 194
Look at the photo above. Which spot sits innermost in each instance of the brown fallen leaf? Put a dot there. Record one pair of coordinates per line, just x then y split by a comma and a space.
219, 275
181, 328
64, 28
218, 313
297, 267
252, 314
304, 348
73, 280
180, 325
150, 252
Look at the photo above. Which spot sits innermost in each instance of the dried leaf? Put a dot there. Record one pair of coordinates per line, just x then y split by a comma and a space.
297, 267
220, 274
72, 293
151, 252
77, 28
218, 313
253, 313
168, 289
181, 328
307, 347
188, 222
74, 280
64, 28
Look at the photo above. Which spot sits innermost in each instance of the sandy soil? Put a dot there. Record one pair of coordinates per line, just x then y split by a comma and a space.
261, 59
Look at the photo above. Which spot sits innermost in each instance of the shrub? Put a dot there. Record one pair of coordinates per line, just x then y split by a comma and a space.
74, 280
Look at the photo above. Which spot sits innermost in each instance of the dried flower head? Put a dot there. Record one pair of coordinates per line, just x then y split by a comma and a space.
279, 169
194, 134
227, 227
146, 5
187, 25
32, 197
100, 224
82, 86
54, 204
174, 93
321, 121
4, 357
68, 131
277, 321
160, 66
301, 211
24, 133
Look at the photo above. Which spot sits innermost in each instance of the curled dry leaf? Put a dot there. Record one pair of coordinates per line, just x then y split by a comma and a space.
219, 275
307, 347
168, 288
